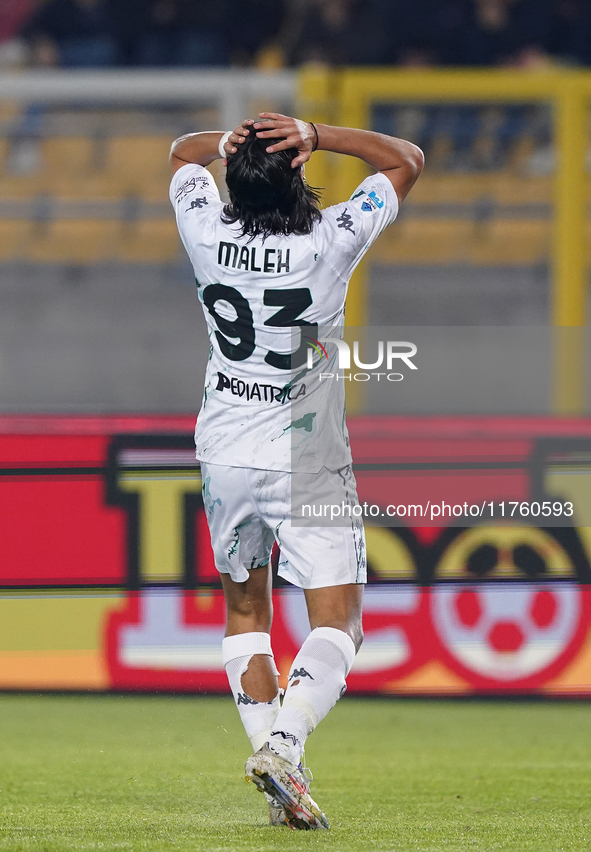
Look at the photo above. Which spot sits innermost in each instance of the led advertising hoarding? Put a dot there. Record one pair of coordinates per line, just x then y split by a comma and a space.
108, 582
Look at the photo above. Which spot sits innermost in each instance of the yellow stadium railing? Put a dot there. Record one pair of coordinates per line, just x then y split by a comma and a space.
345, 97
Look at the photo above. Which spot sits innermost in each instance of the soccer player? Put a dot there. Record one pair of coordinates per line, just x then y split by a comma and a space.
265, 264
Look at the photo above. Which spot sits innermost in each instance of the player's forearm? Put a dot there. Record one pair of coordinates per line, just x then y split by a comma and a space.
379, 151
199, 148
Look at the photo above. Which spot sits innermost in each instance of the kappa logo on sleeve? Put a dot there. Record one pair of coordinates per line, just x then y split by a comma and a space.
190, 186
345, 221
197, 203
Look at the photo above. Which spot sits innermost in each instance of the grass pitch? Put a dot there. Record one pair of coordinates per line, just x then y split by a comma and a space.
159, 774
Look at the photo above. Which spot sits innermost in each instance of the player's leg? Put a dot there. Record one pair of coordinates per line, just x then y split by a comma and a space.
329, 564
318, 674
338, 607
247, 655
316, 682
249, 663
249, 613
242, 546
242, 549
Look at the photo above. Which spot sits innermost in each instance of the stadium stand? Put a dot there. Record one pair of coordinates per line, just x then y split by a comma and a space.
100, 33
103, 193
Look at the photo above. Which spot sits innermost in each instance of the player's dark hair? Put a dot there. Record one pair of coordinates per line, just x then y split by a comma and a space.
267, 196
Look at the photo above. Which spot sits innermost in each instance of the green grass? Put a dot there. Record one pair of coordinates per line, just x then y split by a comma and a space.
162, 773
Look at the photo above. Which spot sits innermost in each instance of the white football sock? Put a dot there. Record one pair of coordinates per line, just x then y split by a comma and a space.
316, 682
257, 717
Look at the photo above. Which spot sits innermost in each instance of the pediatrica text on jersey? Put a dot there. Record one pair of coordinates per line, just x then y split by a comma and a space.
259, 391
245, 257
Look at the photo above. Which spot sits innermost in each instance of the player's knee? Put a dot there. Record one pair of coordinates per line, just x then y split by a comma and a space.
354, 629
250, 615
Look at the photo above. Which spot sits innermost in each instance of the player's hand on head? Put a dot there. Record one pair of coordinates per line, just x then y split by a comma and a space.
295, 134
238, 136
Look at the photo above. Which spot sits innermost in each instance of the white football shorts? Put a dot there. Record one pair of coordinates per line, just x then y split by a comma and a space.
249, 509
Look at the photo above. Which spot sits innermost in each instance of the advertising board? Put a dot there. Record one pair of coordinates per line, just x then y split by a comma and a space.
107, 579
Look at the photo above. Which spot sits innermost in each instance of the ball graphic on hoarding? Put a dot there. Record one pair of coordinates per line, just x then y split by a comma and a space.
507, 622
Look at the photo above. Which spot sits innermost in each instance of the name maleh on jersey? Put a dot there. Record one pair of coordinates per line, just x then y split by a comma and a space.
259, 391
245, 257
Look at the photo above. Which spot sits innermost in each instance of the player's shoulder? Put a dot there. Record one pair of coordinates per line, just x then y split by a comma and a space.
372, 206
192, 186
375, 193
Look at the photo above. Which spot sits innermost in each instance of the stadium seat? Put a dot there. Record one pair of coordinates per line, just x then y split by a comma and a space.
76, 241
424, 241
139, 161
15, 235
67, 155
22, 187
96, 186
501, 187
4, 149
519, 242
497, 241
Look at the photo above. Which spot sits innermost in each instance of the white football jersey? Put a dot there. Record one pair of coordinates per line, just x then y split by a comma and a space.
258, 405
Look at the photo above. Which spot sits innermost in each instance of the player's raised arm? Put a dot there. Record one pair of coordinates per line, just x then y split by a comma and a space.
398, 160
203, 148
199, 148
